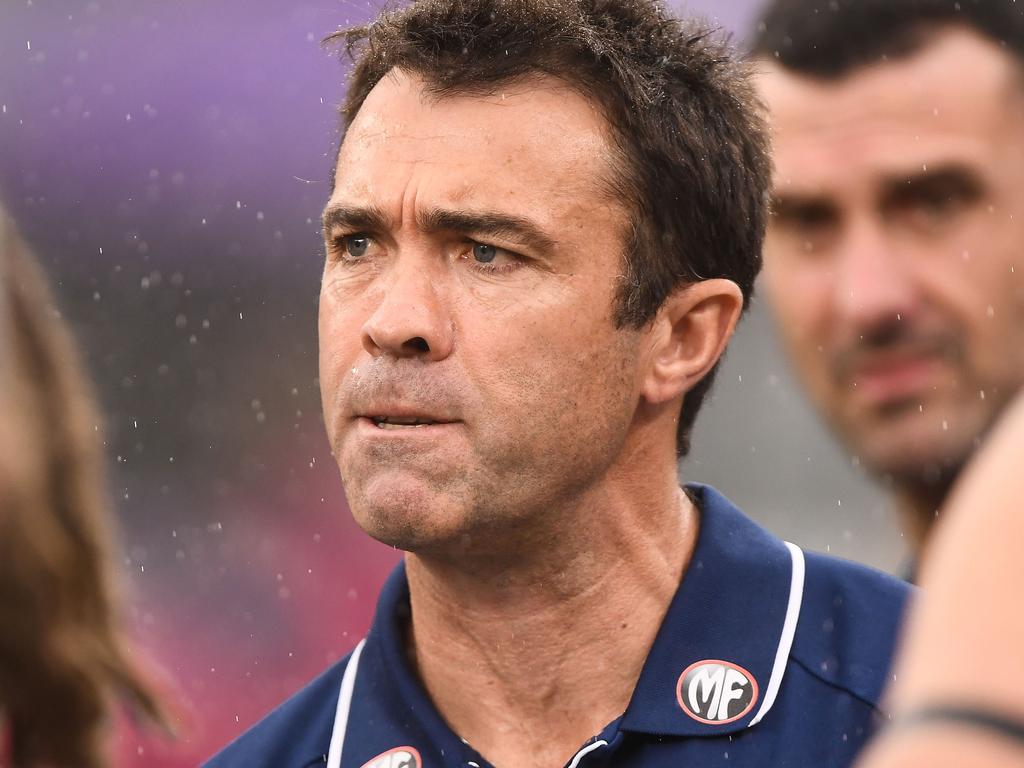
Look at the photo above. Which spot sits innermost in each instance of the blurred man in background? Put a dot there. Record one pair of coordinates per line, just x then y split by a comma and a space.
893, 261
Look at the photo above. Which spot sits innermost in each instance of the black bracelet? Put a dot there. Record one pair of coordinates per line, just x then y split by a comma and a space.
985, 719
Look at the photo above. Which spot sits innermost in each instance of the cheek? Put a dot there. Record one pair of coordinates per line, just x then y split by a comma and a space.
560, 379
800, 296
988, 307
339, 344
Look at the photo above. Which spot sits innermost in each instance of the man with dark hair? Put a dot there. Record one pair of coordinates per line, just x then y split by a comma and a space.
894, 260
545, 222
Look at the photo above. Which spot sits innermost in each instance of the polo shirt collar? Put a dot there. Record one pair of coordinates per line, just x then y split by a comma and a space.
389, 701
730, 607
738, 603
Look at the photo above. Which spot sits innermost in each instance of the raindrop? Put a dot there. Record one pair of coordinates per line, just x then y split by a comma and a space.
990, 311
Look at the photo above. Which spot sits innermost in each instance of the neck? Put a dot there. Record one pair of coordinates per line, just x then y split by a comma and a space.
917, 513
551, 643
918, 504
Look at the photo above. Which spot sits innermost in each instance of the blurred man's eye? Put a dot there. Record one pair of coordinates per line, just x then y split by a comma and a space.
808, 224
934, 200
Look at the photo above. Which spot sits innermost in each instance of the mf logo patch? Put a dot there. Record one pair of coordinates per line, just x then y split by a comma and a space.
399, 757
716, 692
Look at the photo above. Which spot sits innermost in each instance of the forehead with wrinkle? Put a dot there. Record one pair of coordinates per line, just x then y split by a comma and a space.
386, 118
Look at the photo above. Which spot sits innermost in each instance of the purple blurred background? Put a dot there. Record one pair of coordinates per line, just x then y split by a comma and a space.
168, 162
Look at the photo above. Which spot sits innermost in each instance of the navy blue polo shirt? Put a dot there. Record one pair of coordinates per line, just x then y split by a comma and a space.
766, 658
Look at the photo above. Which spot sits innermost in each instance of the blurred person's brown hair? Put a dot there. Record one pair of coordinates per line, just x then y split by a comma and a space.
674, 99
64, 662
831, 38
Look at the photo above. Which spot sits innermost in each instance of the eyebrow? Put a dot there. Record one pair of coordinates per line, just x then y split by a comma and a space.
369, 218
787, 204
486, 224
949, 177
478, 224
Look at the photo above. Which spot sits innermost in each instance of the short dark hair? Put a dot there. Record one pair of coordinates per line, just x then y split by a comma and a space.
831, 38
685, 123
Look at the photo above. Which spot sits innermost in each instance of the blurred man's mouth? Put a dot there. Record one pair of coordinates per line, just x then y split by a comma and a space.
891, 370
896, 377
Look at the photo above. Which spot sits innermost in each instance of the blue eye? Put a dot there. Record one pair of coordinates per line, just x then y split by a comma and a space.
484, 253
356, 245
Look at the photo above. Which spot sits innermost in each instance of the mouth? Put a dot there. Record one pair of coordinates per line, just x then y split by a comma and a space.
897, 378
401, 422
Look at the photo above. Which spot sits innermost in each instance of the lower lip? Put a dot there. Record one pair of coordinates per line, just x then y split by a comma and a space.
898, 380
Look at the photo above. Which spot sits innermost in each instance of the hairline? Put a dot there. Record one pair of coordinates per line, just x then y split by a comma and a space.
924, 34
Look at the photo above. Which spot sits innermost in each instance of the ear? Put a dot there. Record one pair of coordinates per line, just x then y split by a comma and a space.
689, 335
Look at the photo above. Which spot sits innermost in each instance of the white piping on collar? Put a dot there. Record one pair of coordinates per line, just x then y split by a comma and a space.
348, 685
796, 596
586, 751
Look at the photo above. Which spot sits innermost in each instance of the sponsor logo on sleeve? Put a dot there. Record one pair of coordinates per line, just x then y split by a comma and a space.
399, 757
716, 692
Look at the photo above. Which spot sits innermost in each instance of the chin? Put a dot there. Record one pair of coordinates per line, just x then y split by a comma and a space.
924, 462
408, 519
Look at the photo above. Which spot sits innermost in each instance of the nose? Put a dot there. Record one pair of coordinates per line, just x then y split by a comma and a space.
411, 319
874, 282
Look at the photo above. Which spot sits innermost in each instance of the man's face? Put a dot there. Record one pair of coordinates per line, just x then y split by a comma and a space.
893, 260
473, 254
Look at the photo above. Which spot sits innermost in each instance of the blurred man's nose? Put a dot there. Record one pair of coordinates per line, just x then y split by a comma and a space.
412, 319
874, 283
